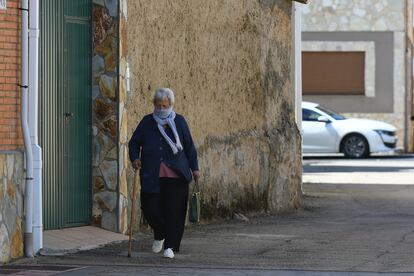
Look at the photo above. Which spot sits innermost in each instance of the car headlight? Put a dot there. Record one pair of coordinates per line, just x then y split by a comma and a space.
384, 132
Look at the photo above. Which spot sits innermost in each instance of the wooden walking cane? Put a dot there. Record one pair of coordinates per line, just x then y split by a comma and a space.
131, 221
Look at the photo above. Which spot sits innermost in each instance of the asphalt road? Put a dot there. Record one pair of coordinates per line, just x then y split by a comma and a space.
363, 227
389, 169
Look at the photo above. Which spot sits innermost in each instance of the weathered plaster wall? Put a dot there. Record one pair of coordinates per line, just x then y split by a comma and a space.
229, 64
11, 206
361, 16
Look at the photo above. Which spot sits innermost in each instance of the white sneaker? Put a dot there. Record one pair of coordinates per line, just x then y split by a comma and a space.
157, 246
168, 253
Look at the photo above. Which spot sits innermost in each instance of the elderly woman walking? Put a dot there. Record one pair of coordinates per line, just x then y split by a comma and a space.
163, 150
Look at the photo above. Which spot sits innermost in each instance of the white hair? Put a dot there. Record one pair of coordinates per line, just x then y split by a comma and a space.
162, 93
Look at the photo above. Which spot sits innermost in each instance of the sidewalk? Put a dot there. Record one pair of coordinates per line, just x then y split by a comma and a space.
71, 240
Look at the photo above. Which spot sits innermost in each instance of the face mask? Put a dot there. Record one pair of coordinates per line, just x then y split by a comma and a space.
162, 113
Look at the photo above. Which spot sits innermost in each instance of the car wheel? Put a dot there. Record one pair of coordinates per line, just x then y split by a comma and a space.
355, 146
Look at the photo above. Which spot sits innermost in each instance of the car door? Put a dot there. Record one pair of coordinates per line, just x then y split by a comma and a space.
318, 137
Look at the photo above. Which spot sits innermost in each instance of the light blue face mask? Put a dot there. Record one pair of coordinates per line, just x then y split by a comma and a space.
163, 113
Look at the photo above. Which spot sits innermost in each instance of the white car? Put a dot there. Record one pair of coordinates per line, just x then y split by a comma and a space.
325, 131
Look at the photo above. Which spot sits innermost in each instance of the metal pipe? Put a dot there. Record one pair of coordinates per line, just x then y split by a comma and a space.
408, 74
297, 40
33, 125
28, 197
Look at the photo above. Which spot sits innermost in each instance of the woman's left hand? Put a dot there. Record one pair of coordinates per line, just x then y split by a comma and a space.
196, 175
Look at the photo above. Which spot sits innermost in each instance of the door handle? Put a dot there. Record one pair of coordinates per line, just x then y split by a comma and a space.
67, 114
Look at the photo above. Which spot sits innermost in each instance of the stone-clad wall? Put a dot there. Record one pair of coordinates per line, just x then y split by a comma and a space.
123, 119
353, 15
229, 63
105, 111
11, 206
338, 16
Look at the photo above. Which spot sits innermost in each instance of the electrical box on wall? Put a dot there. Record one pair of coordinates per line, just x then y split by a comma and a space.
3, 4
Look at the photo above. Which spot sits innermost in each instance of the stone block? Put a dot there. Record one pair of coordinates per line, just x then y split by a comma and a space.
109, 171
10, 165
122, 90
3, 184
123, 134
122, 66
102, 24
20, 204
18, 176
16, 247
123, 188
112, 154
123, 157
95, 91
106, 200
11, 191
111, 127
96, 211
96, 152
123, 41
124, 8
121, 108
4, 244
10, 216
107, 47
103, 109
98, 65
96, 221
102, 144
112, 6
111, 61
109, 221
107, 87
98, 184
123, 225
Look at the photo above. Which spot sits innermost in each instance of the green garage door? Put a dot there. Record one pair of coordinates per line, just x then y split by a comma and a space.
65, 112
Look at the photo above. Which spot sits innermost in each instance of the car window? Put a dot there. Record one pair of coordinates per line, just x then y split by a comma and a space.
331, 113
310, 115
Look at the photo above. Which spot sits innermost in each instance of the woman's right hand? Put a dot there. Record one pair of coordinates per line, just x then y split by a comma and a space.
136, 164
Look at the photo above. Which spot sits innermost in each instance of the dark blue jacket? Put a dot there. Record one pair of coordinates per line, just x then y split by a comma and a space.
149, 145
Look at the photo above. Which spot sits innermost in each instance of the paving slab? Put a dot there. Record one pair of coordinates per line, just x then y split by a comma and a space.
70, 240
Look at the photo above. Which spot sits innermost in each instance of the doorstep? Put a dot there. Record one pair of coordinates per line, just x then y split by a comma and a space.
71, 240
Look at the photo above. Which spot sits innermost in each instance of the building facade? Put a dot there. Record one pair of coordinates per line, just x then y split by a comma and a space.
357, 59
229, 63
231, 67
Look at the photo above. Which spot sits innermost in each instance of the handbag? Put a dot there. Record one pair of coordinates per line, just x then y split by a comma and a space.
179, 164
195, 202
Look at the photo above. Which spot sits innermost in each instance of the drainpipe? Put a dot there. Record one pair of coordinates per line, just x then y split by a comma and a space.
33, 125
28, 196
408, 73
297, 41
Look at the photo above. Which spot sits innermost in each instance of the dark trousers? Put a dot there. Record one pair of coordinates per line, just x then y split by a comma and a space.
166, 211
